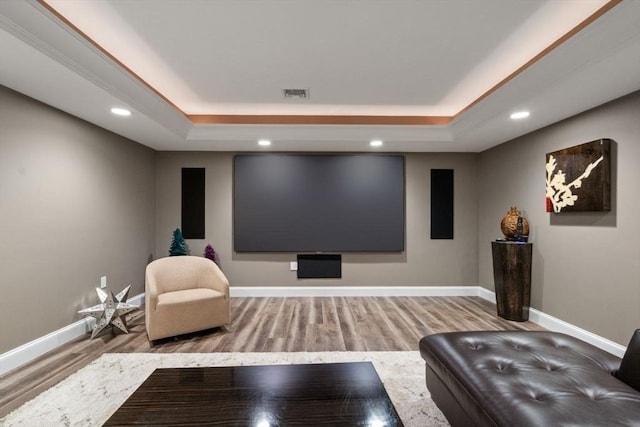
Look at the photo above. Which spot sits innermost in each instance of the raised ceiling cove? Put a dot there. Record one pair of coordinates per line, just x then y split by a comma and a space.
419, 75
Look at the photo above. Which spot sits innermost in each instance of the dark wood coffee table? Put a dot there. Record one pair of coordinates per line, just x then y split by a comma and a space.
340, 394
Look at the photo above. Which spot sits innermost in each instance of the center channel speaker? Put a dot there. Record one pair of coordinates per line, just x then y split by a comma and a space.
319, 266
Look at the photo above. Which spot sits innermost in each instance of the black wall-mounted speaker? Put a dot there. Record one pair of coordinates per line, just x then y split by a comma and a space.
319, 266
442, 203
193, 196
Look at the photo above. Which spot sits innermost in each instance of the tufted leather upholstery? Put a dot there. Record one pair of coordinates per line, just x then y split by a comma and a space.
629, 372
518, 378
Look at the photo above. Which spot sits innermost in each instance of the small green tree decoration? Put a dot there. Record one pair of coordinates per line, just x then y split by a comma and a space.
178, 245
210, 253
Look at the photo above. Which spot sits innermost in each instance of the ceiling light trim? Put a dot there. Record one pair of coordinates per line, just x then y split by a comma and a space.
121, 111
234, 119
105, 52
221, 119
575, 30
519, 115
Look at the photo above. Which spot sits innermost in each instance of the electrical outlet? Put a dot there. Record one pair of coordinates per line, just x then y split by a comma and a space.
293, 266
103, 282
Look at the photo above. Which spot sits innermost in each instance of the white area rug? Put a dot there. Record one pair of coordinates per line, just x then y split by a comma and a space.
91, 395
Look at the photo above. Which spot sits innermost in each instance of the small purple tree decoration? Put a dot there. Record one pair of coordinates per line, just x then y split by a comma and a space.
210, 253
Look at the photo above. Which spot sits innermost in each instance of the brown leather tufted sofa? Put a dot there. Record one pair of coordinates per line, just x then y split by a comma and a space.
518, 378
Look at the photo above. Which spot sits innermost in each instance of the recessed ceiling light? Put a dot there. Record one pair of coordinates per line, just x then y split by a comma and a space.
264, 142
120, 111
375, 143
519, 115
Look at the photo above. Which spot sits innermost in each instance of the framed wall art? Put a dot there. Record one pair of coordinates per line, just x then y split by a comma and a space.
578, 179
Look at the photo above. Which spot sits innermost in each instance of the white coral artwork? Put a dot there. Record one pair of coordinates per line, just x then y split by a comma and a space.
558, 191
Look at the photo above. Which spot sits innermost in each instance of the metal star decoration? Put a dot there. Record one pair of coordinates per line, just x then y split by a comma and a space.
110, 311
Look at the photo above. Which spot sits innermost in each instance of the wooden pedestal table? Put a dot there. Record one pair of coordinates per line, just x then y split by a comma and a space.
512, 277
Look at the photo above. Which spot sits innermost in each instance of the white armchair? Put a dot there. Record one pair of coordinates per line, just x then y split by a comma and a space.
184, 294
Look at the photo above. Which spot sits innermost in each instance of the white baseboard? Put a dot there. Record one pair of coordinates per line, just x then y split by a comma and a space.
556, 325
487, 294
353, 291
36, 348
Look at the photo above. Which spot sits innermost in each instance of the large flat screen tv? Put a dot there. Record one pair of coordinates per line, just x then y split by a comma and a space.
318, 203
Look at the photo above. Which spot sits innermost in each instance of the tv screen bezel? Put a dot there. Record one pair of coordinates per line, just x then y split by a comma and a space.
398, 227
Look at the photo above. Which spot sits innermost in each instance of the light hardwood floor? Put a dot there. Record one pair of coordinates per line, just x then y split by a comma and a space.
271, 325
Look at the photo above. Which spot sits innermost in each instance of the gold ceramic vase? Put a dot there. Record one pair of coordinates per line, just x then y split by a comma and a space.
511, 229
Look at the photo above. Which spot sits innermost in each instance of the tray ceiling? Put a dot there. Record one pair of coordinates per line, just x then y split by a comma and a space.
421, 76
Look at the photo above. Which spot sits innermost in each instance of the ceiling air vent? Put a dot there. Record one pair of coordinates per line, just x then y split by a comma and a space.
295, 93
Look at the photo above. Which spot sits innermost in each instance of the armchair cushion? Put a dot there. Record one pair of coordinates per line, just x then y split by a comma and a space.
186, 297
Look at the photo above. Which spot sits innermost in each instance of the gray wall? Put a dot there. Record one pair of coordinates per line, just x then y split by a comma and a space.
425, 262
76, 203
586, 266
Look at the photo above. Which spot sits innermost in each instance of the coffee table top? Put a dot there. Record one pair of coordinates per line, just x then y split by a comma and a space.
340, 394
